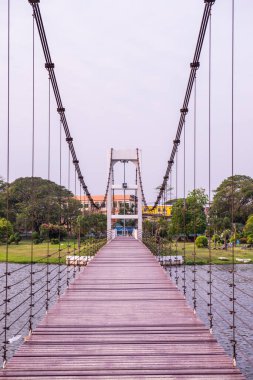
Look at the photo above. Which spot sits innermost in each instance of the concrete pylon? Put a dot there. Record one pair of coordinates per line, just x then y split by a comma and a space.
128, 155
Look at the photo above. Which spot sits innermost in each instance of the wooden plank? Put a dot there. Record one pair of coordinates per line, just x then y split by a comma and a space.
122, 318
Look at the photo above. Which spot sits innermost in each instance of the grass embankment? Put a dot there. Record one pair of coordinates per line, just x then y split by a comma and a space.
202, 254
21, 253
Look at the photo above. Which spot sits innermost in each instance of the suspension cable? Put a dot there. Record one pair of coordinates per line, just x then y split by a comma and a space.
194, 191
75, 231
5, 349
140, 179
60, 108
177, 225
210, 313
60, 210
170, 261
194, 66
79, 229
233, 327
184, 215
68, 224
48, 177
32, 200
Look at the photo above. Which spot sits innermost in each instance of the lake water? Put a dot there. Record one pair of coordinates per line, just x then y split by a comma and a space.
222, 304
19, 296
19, 302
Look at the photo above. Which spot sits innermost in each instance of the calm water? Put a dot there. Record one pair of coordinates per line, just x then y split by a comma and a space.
221, 294
19, 296
19, 302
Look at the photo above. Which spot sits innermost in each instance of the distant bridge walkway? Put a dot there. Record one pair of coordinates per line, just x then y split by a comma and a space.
121, 319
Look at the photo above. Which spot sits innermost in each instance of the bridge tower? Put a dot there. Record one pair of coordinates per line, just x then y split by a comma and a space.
125, 155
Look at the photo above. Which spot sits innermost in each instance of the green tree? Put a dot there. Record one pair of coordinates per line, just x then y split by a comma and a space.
248, 229
189, 217
225, 236
2, 198
250, 239
129, 210
221, 209
53, 231
162, 228
6, 230
215, 239
148, 227
91, 224
34, 201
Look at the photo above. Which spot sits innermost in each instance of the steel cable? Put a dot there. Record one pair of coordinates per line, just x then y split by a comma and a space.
60, 108
7, 196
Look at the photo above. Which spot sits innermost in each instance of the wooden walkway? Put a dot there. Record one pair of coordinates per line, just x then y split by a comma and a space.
121, 319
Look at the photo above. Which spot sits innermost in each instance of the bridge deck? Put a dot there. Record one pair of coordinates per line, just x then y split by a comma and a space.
121, 319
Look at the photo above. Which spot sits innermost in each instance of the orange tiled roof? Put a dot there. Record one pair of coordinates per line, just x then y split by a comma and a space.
100, 198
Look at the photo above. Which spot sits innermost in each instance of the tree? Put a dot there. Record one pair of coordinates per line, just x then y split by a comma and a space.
148, 227
162, 228
215, 239
6, 230
250, 239
91, 224
129, 210
189, 217
2, 198
225, 236
34, 201
53, 231
221, 209
248, 229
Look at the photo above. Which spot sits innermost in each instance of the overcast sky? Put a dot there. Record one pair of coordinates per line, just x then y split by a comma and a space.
122, 67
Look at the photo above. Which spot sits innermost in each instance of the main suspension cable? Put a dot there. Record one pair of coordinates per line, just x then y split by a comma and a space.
32, 192
48, 177
60, 108
194, 66
6, 313
194, 192
233, 326
210, 281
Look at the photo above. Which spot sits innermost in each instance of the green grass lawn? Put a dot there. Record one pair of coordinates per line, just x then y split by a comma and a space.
202, 254
21, 253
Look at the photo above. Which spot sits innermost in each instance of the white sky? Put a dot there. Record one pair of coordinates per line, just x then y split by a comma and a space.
122, 67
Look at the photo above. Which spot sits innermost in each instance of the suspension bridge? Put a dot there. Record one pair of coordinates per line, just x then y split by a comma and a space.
105, 308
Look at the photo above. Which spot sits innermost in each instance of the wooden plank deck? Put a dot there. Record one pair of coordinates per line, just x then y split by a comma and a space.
121, 319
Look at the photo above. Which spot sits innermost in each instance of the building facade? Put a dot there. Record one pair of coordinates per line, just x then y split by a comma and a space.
118, 203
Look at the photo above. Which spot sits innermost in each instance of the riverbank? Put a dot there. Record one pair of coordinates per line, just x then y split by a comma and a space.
242, 254
218, 255
21, 253
47, 252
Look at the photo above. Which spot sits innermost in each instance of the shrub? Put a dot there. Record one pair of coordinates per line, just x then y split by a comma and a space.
36, 238
234, 238
53, 231
215, 238
201, 242
11, 239
6, 230
55, 241
35, 235
17, 237
250, 239
243, 240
